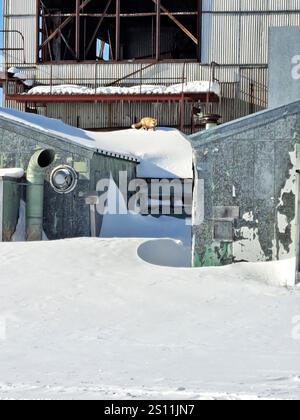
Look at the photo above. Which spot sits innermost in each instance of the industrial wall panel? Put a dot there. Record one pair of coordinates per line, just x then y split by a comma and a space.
236, 32
27, 27
20, 7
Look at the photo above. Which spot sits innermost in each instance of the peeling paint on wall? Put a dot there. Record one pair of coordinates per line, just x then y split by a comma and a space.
218, 254
247, 246
255, 171
284, 245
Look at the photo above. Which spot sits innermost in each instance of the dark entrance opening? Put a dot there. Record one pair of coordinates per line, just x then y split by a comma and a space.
114, 30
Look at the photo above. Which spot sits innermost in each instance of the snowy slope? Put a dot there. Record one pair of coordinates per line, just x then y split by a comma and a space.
89, 319
164, 153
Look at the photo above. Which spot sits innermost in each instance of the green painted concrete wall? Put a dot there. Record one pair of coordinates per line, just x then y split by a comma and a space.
248, 169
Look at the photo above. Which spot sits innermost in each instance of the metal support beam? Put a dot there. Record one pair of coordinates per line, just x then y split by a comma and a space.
158, 28
98, 27
122, 15
63, 25
200, 27
68, 46
176, 21
182, 113
77, 34
187, 97
118, 29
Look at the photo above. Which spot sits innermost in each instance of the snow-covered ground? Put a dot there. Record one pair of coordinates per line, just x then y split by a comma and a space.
165, 153
189, 87
89, 318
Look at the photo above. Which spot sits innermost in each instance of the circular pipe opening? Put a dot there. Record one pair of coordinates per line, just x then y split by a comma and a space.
45, 158
63, 179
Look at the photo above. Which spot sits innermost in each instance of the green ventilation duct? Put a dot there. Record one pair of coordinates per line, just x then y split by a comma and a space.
35, 175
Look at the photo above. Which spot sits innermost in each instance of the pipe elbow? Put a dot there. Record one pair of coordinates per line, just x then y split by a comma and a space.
38, 163
35, 176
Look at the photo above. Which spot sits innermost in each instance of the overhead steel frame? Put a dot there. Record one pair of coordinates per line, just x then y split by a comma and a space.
45, 37
181, 99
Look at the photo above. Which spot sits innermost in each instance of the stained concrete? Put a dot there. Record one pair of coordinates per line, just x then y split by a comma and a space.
249, 172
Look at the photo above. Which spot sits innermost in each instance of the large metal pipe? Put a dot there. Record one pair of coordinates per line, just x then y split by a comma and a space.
35, 175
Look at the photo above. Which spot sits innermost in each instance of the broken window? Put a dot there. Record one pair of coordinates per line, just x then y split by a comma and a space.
88, 30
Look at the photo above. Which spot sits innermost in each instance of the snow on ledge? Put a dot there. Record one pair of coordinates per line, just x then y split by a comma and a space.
16, 173
189, 87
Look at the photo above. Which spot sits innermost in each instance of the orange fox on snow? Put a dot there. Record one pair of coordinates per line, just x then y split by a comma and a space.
146, 124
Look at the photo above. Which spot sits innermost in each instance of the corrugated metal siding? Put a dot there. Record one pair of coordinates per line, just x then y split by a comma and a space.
27, 26
237, 97
162, 73
235, 35
20, 15
250, 5
19, 7
236, 31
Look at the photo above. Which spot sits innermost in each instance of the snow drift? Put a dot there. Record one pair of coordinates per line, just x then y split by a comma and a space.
88, 319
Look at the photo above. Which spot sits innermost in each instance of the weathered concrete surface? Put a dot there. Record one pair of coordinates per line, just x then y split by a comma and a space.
9, 207
284, 66
65, 216
249, 172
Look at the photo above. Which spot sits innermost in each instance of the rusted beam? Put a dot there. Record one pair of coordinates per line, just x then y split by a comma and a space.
122, 15
188, 97
182, 113
46, 29
63, 24
68, 46
98, 27
176, 21
118, 29
131, 74
158, 29
101, 52
200, 27
77, 30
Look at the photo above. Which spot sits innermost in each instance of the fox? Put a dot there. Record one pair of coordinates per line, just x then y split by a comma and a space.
146, 124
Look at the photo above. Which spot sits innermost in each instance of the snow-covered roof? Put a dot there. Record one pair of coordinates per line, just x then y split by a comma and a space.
165, 153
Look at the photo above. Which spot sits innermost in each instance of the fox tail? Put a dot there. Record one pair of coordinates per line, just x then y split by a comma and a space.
137, 126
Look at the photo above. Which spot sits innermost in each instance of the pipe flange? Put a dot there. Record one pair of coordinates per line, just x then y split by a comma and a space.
64, 179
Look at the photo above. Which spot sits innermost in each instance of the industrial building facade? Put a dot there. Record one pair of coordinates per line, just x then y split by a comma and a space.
122, 44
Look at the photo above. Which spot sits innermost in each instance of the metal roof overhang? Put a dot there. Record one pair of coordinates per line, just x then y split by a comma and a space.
208, 97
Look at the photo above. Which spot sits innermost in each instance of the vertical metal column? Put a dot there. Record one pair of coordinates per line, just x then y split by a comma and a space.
158, 29
77, 47
118, 29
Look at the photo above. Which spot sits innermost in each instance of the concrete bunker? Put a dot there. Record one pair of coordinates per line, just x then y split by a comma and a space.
247, 171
